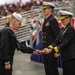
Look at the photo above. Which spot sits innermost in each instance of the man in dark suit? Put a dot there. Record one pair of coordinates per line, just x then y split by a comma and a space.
50, 32
65, 43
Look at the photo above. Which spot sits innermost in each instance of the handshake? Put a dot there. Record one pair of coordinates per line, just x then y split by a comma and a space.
44, 51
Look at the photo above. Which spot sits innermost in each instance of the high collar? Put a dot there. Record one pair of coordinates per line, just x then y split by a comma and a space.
66, 25
49, 16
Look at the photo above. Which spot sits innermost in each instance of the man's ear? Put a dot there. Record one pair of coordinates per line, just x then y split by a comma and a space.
14, 20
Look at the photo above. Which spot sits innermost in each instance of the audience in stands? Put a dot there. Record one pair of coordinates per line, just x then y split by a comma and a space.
8, 9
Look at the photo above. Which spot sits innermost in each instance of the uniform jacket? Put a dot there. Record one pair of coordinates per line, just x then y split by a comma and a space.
49, 31
9, 43
66, 42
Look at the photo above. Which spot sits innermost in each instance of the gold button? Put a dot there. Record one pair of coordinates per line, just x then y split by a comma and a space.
44, 32
44, 41
59, 40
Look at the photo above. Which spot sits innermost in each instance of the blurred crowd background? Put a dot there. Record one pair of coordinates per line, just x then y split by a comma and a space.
22, 6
